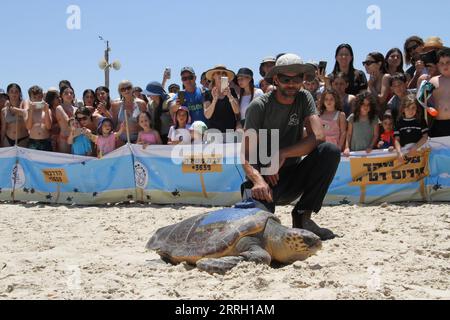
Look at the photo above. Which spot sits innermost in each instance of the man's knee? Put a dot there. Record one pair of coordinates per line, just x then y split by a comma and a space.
329, 152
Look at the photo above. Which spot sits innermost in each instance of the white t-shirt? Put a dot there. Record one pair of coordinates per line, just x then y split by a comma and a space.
246, 101
182, 135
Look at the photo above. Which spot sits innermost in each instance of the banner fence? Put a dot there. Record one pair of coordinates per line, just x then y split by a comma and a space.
209, 175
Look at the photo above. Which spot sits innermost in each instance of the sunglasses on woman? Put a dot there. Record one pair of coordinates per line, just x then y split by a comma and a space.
125, 89
368, 62
413, 47
79, 119
284, 79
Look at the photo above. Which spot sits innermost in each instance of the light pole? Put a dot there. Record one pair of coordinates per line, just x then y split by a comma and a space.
104, 63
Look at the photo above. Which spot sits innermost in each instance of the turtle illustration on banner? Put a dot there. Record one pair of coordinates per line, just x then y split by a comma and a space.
141, 178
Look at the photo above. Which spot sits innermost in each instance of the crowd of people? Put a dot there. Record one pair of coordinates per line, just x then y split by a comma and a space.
390, 109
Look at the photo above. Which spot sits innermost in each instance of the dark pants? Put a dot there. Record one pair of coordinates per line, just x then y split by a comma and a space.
440, 128
42, 145
309, 178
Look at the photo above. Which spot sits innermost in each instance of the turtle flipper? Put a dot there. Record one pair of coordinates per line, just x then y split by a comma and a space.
219, 265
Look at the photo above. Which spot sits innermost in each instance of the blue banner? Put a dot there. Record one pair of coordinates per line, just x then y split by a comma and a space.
209, 175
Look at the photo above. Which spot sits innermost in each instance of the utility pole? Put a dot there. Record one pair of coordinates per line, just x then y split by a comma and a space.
105, 65
107, 61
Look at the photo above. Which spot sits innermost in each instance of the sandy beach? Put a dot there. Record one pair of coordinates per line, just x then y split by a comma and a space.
59, 252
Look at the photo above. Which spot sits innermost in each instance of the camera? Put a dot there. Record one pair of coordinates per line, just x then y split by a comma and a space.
39, 105
322, 66
429, 57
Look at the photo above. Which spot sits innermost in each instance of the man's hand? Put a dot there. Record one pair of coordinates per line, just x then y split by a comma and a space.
261, 191
274, 179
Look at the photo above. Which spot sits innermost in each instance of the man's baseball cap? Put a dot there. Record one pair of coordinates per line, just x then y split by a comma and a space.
187, 69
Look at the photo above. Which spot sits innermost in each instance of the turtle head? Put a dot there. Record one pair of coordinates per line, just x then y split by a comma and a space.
287, 245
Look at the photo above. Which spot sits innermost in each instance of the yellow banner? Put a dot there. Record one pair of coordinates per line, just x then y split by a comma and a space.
55, 176
202, 164
388, 170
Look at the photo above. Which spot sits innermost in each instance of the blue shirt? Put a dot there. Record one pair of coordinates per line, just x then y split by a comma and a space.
194, 102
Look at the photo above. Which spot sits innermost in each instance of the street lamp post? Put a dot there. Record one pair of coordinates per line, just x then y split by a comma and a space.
105, 65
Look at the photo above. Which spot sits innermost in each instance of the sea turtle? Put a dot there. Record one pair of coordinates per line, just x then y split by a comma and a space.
217, 241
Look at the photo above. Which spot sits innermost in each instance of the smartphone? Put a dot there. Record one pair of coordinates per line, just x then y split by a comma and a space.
168, 71
224, 83
322, 66
181, 97
39, 105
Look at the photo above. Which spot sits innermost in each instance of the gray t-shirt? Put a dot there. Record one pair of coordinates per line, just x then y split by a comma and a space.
363, 132
266, 112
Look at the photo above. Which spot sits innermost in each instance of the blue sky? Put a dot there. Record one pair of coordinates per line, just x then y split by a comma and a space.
147, 36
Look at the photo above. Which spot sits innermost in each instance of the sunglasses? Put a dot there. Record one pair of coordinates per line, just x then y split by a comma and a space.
188, 78
125, 89
368, 62
79, 119
413, 47
284, 79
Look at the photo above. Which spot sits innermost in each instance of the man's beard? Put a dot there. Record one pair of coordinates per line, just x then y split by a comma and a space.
286, 94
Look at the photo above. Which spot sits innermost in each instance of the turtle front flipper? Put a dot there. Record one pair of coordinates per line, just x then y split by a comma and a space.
218, 265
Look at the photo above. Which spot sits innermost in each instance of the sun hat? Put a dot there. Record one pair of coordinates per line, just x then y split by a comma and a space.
155, 89
244, 72
290, 63
219, 68
433, 43
264, 61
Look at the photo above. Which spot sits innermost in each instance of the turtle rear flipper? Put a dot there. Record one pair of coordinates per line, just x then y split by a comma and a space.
218, 265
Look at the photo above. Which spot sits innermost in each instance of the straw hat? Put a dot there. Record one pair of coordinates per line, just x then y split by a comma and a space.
219, 68
435, 43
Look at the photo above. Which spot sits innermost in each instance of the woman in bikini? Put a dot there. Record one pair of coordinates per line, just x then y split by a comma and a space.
63, 113
13, 117
130, 107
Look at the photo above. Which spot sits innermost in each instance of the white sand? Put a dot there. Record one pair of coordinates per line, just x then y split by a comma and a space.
387, 252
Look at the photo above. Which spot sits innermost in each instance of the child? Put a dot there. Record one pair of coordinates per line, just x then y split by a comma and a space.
81, 145
363, 128
398, 84
53, 100
179, 133
441, 96
387, 137
411, 129
198, 132
106, 139
332, 118
147, 136
39, 121
340, 84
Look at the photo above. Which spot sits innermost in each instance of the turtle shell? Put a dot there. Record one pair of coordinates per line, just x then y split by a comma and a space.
210, 235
